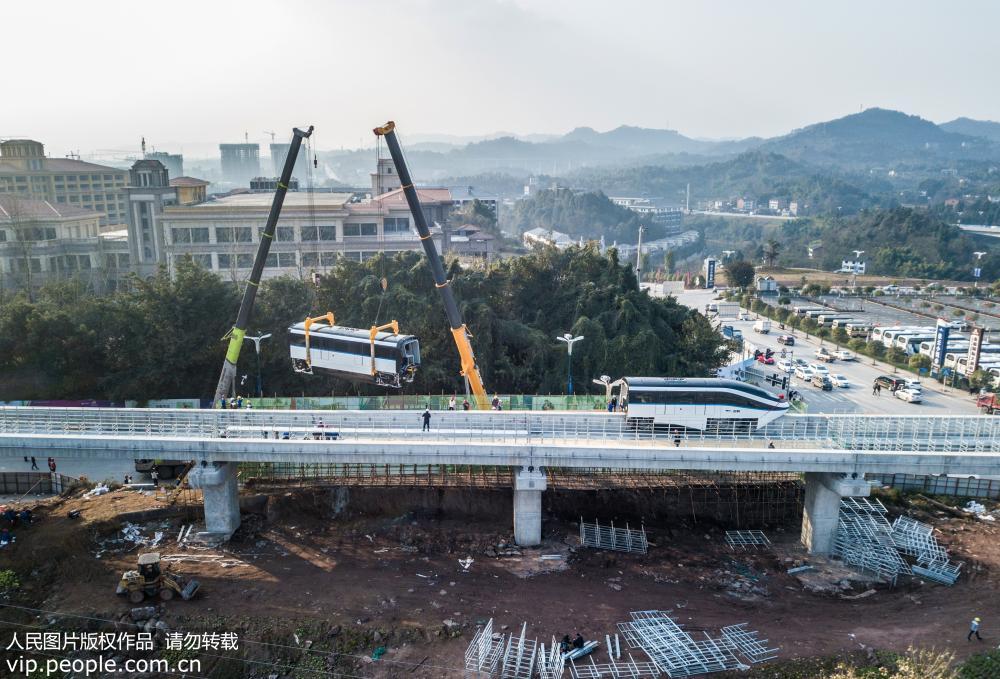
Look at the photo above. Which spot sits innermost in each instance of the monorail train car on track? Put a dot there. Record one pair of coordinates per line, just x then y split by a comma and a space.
382, 358
702, 404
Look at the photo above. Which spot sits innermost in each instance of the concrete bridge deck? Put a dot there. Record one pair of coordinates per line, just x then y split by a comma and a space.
833, 451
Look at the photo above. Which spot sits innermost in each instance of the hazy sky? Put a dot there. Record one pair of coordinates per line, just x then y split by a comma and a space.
188, 75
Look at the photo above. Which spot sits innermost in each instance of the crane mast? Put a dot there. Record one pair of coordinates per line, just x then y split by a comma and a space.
239, 330
458, 329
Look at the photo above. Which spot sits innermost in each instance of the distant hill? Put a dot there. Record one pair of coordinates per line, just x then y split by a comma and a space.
754, 174
973, 128
644, 140
878, 137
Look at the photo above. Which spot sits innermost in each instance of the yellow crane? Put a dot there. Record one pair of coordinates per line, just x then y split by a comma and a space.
458, 329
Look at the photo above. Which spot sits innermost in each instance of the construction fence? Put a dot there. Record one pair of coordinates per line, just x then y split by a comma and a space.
955, 486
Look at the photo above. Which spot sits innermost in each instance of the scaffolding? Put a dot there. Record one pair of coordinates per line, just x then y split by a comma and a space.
614, 539
747, 539
678, 654
483, 654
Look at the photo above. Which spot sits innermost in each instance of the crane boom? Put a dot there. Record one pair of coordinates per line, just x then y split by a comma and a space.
239, 330
458, 329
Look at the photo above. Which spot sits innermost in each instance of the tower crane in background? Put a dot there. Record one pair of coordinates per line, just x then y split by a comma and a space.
270, 133
458, 329
239, 331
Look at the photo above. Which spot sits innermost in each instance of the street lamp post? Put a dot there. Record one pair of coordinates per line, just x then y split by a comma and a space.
256, 345
570, 341
977, 271
857, 259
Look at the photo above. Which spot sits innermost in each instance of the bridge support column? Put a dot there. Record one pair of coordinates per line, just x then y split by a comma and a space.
221, 497
822, 507
528, 487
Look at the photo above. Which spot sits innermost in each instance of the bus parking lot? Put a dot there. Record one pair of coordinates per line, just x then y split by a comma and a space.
860, 373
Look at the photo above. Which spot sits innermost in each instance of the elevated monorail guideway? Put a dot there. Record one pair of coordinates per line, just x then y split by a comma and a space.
834, 452
971, 433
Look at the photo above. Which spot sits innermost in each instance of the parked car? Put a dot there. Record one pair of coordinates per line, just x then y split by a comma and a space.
890, 383
804, 372
822, 381
840, 381
787, 340
820, 369
909, 395
786, 365
844, 355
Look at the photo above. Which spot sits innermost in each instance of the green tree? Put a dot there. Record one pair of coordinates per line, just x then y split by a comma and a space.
739, 273
895, 355
919, 362
875, 349
772, 249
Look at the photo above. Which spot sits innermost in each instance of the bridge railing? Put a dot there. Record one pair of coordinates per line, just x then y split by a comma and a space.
878, 432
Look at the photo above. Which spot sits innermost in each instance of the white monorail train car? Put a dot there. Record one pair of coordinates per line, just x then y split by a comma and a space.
703, 404
387, 359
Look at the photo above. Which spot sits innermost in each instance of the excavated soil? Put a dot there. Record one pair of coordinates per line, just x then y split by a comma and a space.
351, 574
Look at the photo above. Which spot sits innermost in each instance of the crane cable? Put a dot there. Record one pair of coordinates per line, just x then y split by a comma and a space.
311, 189
383, 281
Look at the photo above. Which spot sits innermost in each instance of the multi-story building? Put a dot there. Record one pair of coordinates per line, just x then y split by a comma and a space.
240, 162
190, 190
25, 170
464, 195
174, 162
41, 241
278, 154
149, 192
314, 230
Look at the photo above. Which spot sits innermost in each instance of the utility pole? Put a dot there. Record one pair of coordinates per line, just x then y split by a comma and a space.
638, 256
570, 341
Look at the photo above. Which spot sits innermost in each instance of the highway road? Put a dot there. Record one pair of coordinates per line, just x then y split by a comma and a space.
861, 373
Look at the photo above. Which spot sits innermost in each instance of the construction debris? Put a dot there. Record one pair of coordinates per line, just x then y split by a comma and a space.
746, 539
611, 538
614, 669
678, 654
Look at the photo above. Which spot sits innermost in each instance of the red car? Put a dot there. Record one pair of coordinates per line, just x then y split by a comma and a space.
766, 360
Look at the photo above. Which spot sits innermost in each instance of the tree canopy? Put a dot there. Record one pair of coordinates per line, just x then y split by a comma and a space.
162, 337
587, 215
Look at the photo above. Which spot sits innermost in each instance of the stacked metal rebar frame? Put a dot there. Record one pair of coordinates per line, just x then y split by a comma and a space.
678, 654
612, 538
747, 539
483, 654
864, 540
916, 539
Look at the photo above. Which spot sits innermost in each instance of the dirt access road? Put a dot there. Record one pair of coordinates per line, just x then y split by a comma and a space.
396, 580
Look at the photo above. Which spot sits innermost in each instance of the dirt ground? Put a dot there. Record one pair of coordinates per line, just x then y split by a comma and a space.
298, 580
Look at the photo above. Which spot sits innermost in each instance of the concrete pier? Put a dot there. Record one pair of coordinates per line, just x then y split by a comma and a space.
528, 487
822, 507
221, 497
